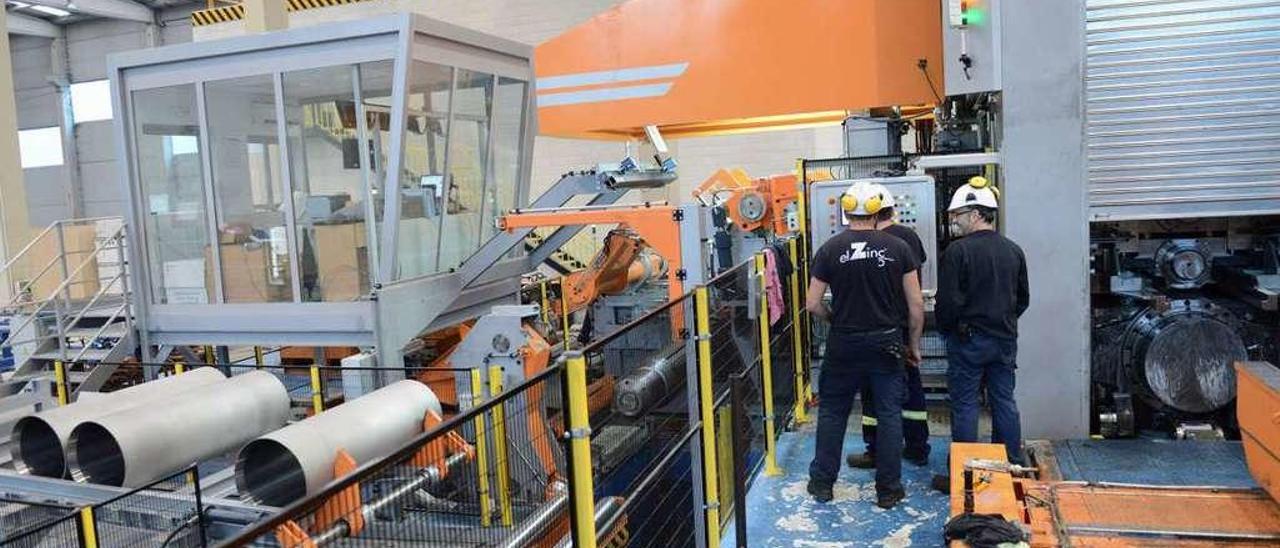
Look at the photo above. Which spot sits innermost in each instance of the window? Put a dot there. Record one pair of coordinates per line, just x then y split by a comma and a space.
40, 147
91, 101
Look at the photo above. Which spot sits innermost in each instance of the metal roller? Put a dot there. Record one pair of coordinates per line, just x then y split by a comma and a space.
135, 446
290, 463
639, 179
647, 386
39, 442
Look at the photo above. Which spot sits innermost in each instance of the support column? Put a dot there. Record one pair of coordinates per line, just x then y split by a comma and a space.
15, 229
265, 15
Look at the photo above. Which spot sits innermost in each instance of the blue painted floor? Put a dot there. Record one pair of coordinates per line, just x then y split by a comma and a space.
781, 513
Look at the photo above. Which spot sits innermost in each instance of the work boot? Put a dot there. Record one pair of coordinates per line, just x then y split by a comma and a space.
863, 460
821, 491
889, 499
941, 483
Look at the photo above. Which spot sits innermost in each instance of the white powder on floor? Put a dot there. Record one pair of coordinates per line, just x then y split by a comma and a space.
798, 523
900, 538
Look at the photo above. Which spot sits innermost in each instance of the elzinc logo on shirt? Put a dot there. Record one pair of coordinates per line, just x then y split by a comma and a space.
859, 251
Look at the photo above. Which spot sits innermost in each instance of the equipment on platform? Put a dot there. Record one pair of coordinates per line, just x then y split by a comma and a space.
291, 462
39, 443
1175, 305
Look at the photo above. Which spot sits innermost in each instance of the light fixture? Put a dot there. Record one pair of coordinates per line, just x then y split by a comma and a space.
56, 12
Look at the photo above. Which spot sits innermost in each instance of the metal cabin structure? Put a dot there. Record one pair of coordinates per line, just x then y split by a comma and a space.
322, 186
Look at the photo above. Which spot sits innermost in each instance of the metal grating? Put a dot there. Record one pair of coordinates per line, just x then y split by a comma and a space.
1183, 108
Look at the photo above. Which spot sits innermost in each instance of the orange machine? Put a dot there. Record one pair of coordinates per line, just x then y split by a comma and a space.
751, 203
624, 261
789, 64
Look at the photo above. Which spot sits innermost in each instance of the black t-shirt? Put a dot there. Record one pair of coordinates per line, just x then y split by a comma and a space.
982, 284
864, 269
906, 234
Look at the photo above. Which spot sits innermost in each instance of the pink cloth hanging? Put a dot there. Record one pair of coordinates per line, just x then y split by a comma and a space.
773, 286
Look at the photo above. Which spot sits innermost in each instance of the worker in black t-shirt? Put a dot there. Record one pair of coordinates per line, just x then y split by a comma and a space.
875, 293
982, 290
915, 419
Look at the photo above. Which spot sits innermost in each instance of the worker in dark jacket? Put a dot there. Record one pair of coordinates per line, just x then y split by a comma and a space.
875, 295
982, 290
915, 419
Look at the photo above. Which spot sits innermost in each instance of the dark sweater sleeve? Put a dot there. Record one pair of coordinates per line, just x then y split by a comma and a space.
1024, 288
949, 300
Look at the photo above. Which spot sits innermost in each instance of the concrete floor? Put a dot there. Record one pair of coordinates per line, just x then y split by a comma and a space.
782, 514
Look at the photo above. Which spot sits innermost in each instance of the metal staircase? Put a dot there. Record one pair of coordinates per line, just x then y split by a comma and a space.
70, 303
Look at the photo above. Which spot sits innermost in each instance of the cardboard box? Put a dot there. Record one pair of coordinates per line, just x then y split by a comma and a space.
246, 274
342, 261
78, 243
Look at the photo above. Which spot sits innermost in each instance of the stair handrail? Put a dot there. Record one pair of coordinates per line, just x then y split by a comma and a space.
116, 236
8, 264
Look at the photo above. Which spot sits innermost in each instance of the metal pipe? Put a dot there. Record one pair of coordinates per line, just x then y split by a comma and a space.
606, 517
540, 521
426, 477
649, 385
639, 179
135, 446
297, 460
40, 441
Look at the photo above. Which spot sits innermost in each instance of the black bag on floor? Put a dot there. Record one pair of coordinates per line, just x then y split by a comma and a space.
983, 530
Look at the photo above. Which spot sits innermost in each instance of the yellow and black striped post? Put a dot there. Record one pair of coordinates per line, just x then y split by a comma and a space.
545, 303
482, 451
801, 412
317, 390
579, 432
88, 528
500, 447
60, 382
259, 359
766, 373
706, 407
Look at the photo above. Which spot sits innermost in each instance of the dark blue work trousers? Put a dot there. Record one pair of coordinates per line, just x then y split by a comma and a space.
971, 360
915, 418
855, 359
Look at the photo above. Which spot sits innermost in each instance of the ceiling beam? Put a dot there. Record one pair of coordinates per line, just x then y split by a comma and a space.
31, 26
113, 9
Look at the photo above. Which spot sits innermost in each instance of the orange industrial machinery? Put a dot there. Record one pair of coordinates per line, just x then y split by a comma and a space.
1258, 412
788, 64
751, 203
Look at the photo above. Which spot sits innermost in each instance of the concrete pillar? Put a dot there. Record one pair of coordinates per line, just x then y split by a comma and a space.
265, 15
15, 230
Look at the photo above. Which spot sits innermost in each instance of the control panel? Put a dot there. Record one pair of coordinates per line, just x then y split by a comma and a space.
916, 208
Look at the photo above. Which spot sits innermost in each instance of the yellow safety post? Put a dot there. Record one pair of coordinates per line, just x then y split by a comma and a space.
482, 450
88, 528
258, 358
797, 342
545, 303
579, 432
317, 391
60, 381
500, 446
179, 368
766, 372
564, 313
209, 356
710, 481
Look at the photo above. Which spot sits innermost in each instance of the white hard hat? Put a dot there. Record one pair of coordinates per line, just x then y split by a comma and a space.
865, 198
977, 192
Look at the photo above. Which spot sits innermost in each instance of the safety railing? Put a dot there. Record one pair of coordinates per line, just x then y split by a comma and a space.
168, 512
19, 515
493, 475
644, 437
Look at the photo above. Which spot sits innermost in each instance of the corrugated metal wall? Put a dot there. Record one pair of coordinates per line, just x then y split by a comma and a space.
1183, 108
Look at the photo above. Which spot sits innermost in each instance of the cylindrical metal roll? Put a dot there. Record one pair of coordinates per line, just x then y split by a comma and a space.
649, 385
290, 463
640, 179
38, 442
133, 447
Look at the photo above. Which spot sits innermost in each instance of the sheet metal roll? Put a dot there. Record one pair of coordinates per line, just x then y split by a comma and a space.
290, 463
135, 446
39, 441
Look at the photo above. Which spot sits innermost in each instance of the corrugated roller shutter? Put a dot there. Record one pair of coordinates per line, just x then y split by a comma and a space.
1183, 108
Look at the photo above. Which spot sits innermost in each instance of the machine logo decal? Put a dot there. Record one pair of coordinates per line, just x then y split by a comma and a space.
606, 85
